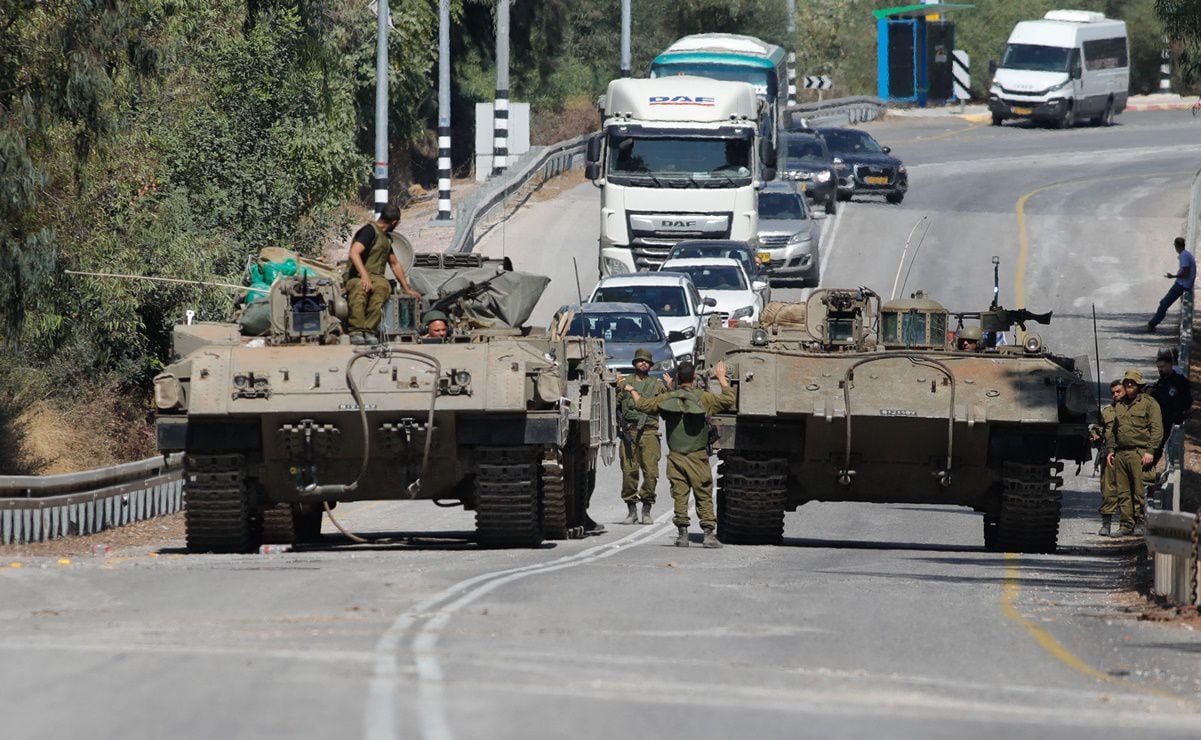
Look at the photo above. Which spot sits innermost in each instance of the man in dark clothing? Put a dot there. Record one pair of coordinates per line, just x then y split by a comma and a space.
367, 289
1183, 281
1173, 394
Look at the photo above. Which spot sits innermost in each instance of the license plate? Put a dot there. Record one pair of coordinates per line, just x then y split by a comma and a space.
1023, 111
876, 180
764, 257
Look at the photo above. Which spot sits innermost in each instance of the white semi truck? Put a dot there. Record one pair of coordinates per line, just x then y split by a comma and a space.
677, 158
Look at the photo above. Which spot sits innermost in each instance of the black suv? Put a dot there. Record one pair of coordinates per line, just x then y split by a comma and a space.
864, 167
805, 159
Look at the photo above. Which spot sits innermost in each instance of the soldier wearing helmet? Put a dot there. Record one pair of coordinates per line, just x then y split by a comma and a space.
641, 448
968, 339
436, 326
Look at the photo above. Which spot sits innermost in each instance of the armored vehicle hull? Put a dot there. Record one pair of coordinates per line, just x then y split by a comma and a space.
501, 421
862, 421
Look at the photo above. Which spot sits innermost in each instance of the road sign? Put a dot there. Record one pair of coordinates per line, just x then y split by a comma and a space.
960, 75
818, 82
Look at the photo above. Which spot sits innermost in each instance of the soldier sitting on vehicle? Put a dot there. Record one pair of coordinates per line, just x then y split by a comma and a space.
968, 339
367, 289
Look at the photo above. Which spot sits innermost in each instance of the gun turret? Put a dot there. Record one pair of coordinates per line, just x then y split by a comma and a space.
1000, 319
453, 303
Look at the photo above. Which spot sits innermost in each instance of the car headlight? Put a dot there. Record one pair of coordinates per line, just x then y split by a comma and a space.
615, 266
664, 366
902, 170
823, 176
800, 237
838, 160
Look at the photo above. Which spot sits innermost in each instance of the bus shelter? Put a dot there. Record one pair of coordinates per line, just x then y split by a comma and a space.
914, 45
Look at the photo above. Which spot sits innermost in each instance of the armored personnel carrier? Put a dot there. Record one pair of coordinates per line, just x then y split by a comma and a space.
499, 419
846, 398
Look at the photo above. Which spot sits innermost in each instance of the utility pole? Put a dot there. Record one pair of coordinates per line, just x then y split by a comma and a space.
500, 106
792, 52
625, 38
381, 108
443, 110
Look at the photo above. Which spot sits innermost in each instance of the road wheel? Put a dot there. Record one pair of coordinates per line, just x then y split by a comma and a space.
997, 118
1028, 519
1068, 119
1107, 116
751, 495
508, 496
894, 198
831, 206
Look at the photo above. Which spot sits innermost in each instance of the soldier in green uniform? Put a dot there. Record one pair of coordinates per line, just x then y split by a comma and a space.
366, 287
686, 411
640, 451
1109, 498
1137, 430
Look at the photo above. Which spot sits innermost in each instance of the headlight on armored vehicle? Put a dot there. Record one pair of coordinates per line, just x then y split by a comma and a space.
823, 176
462, 377
1032, 343
168, 392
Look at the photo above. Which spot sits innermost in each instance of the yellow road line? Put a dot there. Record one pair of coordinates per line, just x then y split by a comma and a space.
1009, 595
948, 134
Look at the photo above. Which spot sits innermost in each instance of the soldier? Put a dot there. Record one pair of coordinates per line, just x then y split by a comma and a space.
968, 339
640, 449
437, 326
686, 412
1109, 500
1136, 432
366, 287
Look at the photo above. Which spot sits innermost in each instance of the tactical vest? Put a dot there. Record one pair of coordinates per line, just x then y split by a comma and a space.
375, 257
647, 388
686, 420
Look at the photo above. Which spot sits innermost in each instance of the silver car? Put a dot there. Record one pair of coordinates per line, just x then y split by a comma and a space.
789, 236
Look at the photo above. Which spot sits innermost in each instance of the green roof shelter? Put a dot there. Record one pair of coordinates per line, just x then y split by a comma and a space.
913, 61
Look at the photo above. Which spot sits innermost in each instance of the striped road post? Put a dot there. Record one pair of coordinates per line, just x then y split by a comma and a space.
500, 107
961, 75
443, 110
1165, 70
792, 78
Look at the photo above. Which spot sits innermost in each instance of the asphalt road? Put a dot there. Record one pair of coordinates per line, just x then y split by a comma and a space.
882, 621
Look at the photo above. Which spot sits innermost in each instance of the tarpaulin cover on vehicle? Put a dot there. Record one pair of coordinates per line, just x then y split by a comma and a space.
273, 262
505, 302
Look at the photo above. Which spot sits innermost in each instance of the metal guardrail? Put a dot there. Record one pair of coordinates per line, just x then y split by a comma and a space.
34, 508
838, 111
497, 199
1172, 534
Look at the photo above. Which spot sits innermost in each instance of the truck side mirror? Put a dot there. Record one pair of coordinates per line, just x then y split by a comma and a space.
594, 149
767, 153
1076, 71
992, 67
592, 171
769, 173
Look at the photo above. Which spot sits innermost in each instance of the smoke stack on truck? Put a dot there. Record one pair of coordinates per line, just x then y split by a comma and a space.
676, 158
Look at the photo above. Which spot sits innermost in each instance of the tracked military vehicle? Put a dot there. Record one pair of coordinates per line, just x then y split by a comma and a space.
498, 419
847, 398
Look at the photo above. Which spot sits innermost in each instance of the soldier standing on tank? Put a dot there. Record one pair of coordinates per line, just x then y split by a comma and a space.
686, 413
1137, 431
641, 451
1109, 499
366, 287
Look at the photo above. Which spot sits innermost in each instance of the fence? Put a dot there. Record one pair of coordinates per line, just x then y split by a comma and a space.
1171, 533
35, 508
836, 112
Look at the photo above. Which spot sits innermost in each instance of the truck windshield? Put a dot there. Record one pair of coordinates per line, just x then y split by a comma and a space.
1036, 58
679, 162
763, 80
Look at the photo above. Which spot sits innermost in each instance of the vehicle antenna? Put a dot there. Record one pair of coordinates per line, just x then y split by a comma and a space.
903, 252
996, 282
575, 265
1097, 351
915, 251
208, 283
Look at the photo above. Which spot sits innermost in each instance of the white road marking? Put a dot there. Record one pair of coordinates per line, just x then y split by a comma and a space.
380, 721
828, 247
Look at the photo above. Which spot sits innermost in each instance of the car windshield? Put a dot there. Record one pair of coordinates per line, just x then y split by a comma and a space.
617, 327
690, 252
1036, 58
851, 142
664, 300
675, 162
804, 148
713, 277
781, 206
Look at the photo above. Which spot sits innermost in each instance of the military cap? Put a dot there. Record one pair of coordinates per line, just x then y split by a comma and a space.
1133, 374
642, 353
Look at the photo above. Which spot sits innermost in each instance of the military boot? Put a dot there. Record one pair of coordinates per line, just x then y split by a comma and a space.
711, 540
1125, 531
682, 537
632, 514
1140, 528
646, 513
1106, 522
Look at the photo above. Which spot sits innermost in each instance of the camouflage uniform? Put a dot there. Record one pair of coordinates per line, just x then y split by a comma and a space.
685, 412
646, 451
366, 309
1137, 430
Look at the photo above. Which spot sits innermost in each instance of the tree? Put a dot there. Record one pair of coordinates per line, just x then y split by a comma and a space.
1182, 24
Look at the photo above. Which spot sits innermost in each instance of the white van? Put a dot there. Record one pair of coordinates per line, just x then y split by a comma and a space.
1071, 65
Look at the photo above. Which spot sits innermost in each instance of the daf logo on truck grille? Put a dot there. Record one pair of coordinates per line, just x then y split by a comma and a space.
677, 224
700, 100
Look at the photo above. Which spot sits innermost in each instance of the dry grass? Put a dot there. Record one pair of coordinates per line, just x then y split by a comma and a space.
579, 116
104, 428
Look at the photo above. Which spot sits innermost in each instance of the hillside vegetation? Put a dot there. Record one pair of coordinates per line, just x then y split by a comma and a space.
176, 137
